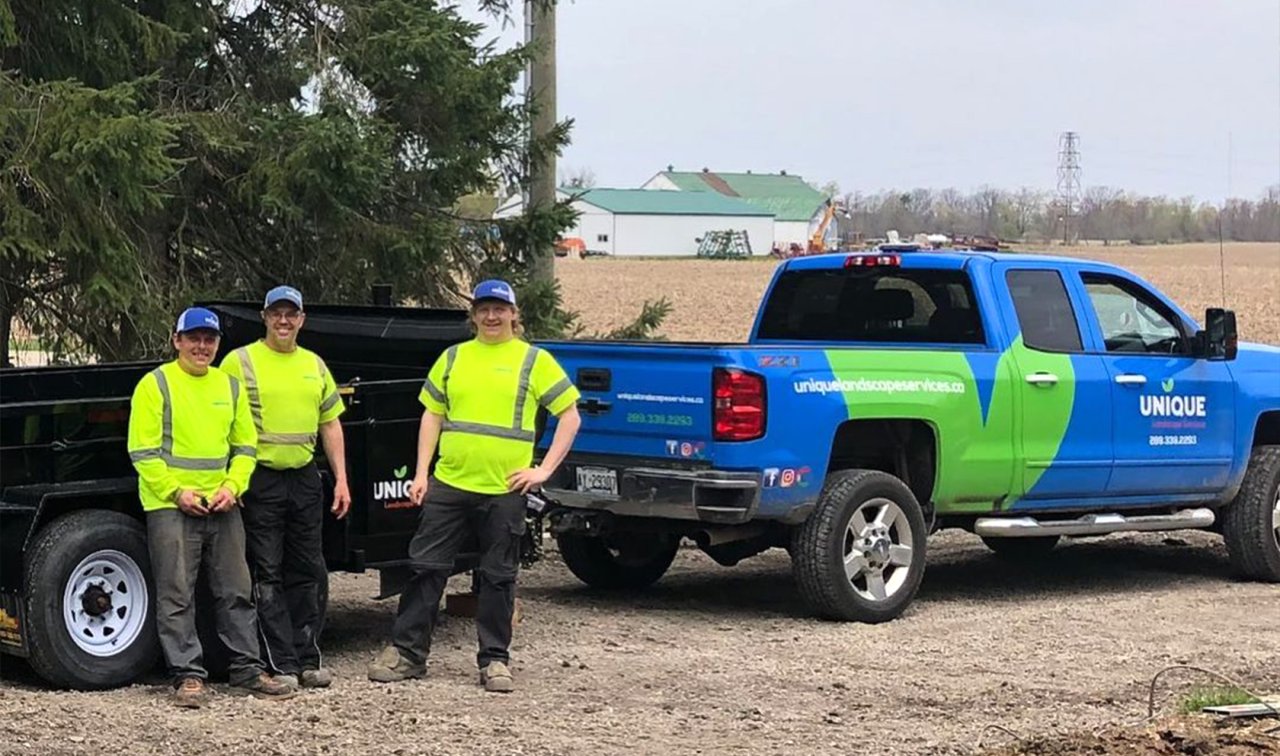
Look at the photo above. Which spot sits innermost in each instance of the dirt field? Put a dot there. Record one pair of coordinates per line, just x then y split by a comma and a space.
726, 660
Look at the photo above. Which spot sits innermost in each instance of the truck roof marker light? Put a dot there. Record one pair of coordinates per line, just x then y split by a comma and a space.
871, 261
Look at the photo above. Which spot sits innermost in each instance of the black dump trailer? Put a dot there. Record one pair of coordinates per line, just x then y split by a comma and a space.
75, 585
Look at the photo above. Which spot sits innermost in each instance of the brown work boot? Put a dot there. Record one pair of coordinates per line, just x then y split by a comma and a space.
497, 678
190, 693
316, 678
265, 686
391, 666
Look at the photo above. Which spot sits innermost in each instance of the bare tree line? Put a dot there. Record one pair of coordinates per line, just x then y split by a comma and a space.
1029, 215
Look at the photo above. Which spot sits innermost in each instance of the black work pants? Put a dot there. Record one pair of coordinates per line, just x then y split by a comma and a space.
283, 519
449, 518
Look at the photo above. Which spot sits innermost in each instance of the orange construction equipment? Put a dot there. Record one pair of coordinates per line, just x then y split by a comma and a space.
572, 244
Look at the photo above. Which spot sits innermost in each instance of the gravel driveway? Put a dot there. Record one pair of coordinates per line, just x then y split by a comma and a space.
725, 660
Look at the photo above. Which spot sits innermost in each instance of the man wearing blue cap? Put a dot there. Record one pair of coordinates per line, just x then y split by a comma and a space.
294, 402
481, 399
192, 441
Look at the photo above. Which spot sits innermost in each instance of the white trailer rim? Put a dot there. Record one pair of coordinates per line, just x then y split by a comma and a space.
105, 603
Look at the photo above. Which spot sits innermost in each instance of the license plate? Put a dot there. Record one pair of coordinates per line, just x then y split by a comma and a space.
597, 480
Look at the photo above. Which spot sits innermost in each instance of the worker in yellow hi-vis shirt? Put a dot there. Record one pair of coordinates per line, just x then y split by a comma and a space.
481, 399
192, 441
294, 401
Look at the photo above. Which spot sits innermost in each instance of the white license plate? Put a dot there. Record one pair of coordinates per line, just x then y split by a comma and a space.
597, 480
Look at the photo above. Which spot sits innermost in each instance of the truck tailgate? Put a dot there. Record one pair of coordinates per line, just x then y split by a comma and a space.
642, 400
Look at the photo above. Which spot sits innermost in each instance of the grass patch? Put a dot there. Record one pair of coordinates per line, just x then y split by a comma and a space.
1220, 695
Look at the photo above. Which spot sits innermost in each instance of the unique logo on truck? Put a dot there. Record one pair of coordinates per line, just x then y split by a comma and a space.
394, 494
1172, 405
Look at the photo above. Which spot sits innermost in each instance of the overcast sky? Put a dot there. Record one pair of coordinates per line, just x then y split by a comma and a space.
926, 93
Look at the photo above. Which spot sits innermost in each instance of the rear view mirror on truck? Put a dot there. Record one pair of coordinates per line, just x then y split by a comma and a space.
1218, 340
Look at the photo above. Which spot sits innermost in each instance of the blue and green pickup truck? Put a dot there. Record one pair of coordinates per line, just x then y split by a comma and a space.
884, 395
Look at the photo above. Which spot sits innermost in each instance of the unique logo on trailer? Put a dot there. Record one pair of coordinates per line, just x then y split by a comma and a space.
394, 494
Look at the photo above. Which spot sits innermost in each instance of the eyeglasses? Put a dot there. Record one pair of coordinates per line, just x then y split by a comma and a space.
283, 314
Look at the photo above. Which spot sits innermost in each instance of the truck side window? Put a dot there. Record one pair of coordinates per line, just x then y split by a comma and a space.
1131, 319
1045, 315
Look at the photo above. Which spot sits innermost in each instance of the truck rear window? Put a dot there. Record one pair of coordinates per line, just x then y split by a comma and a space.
874, 305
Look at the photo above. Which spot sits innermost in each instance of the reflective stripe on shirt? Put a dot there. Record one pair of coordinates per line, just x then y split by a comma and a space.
165, 450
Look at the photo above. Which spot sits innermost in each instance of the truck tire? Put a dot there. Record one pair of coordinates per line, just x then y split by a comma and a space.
622, 561
860, 556
1023, 549
1251, 523
90, 601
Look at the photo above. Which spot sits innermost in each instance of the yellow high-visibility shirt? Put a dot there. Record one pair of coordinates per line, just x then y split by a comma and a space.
189, 432
489, 395
290, 395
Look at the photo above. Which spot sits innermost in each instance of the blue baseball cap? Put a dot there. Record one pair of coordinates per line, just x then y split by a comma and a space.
283, 294
195, 318
494, 289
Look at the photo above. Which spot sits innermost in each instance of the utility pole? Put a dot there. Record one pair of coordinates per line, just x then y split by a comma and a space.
1068, 178
540, 33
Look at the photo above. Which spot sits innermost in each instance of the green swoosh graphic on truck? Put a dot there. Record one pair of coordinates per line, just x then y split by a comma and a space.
980, 461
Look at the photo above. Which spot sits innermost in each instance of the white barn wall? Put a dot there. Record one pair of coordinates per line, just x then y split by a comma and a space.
786, 232
594, 223
676, 235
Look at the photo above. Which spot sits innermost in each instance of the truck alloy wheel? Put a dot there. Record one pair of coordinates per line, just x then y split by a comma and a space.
1251, 522
860, 556
89, 601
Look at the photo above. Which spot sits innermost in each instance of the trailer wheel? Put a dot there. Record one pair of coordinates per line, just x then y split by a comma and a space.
89, 601
621, 560
1023, 548
1251, 523
860, 556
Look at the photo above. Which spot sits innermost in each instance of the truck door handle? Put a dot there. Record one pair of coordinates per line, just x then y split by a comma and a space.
1131, 379
1042, 379
594, 406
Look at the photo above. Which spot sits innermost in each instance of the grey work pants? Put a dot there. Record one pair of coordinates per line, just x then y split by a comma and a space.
449, 518
180, 544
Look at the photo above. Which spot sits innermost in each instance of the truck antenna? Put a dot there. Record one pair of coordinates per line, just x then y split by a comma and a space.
1222, 264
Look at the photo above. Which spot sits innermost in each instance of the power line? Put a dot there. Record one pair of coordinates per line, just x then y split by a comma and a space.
1068, 179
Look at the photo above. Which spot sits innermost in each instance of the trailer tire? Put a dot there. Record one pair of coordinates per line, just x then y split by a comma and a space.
1251, 523
620, 561
1021, 549
868, 528
89, 601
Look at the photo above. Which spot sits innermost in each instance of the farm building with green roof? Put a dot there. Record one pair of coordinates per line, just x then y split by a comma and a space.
643, 222
796, 206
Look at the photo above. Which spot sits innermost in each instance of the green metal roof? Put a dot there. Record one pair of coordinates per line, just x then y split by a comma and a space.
659, 202
788, 198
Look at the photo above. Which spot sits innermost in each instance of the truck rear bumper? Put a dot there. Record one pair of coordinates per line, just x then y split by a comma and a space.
707, 495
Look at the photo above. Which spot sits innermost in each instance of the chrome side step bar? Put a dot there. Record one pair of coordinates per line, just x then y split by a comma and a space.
1092, 524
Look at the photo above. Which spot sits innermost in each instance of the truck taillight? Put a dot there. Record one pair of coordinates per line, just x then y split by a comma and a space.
738, 414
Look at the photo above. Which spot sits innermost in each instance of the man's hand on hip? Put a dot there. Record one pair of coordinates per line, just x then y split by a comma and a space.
341, 499
527, 479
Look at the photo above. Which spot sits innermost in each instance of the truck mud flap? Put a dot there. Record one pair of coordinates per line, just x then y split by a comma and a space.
13, 638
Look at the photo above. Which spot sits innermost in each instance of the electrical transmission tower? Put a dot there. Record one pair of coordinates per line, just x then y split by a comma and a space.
1068, 179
